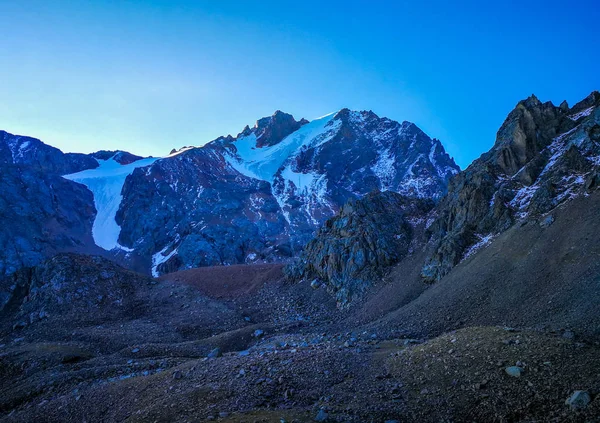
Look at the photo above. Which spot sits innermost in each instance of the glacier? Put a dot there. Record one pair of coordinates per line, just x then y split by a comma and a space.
106, 183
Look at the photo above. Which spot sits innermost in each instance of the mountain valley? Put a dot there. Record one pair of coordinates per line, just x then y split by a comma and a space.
341, 269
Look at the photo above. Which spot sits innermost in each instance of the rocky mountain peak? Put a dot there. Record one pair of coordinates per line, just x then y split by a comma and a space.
356, 117
543, 156
528, 129
119, 156
271, 130
592, 100
31, 152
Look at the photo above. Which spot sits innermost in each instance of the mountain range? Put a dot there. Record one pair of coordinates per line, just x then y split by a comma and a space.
338, 270
257, 197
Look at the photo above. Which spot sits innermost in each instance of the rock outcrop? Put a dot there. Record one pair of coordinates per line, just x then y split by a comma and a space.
356, 246
122, 157
543, 155
90, 289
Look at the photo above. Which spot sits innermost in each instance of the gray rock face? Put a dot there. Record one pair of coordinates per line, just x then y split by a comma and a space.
260, 196
543, 156
271, 130
41, 214
361, 241
201, 210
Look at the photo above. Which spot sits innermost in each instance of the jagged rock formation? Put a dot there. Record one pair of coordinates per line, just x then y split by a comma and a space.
367, 236
198, 212
261, 195
543, 156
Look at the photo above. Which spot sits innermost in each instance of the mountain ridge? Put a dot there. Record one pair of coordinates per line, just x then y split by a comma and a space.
277, 182
307, 180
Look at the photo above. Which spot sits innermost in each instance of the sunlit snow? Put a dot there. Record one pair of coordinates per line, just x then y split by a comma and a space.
263, 163
106, 183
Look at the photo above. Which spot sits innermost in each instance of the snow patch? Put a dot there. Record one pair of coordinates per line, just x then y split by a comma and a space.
181, 150
384, 168
581, 114
302, 181
159, 258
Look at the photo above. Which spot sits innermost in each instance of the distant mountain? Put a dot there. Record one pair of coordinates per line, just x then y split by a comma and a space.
260, 196
34, 154
256, 197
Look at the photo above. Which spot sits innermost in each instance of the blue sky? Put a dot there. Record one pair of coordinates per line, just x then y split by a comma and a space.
148, 76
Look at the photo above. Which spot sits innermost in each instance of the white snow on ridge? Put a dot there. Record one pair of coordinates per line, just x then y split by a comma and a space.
106, 183
581, 114
181, 150
263, 163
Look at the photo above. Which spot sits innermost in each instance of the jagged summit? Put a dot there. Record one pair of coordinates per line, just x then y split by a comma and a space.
271, 130
543, 156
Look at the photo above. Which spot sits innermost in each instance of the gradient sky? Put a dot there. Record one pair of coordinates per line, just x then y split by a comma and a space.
147, 76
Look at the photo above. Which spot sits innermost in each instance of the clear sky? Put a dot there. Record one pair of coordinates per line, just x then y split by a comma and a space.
147, 76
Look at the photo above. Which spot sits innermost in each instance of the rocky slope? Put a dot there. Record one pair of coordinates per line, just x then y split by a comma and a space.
539, 274
544, 155
83, 339
260, 196
48, 212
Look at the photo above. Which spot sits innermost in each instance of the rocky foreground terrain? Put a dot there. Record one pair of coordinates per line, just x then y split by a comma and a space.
86, 340
477, 305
